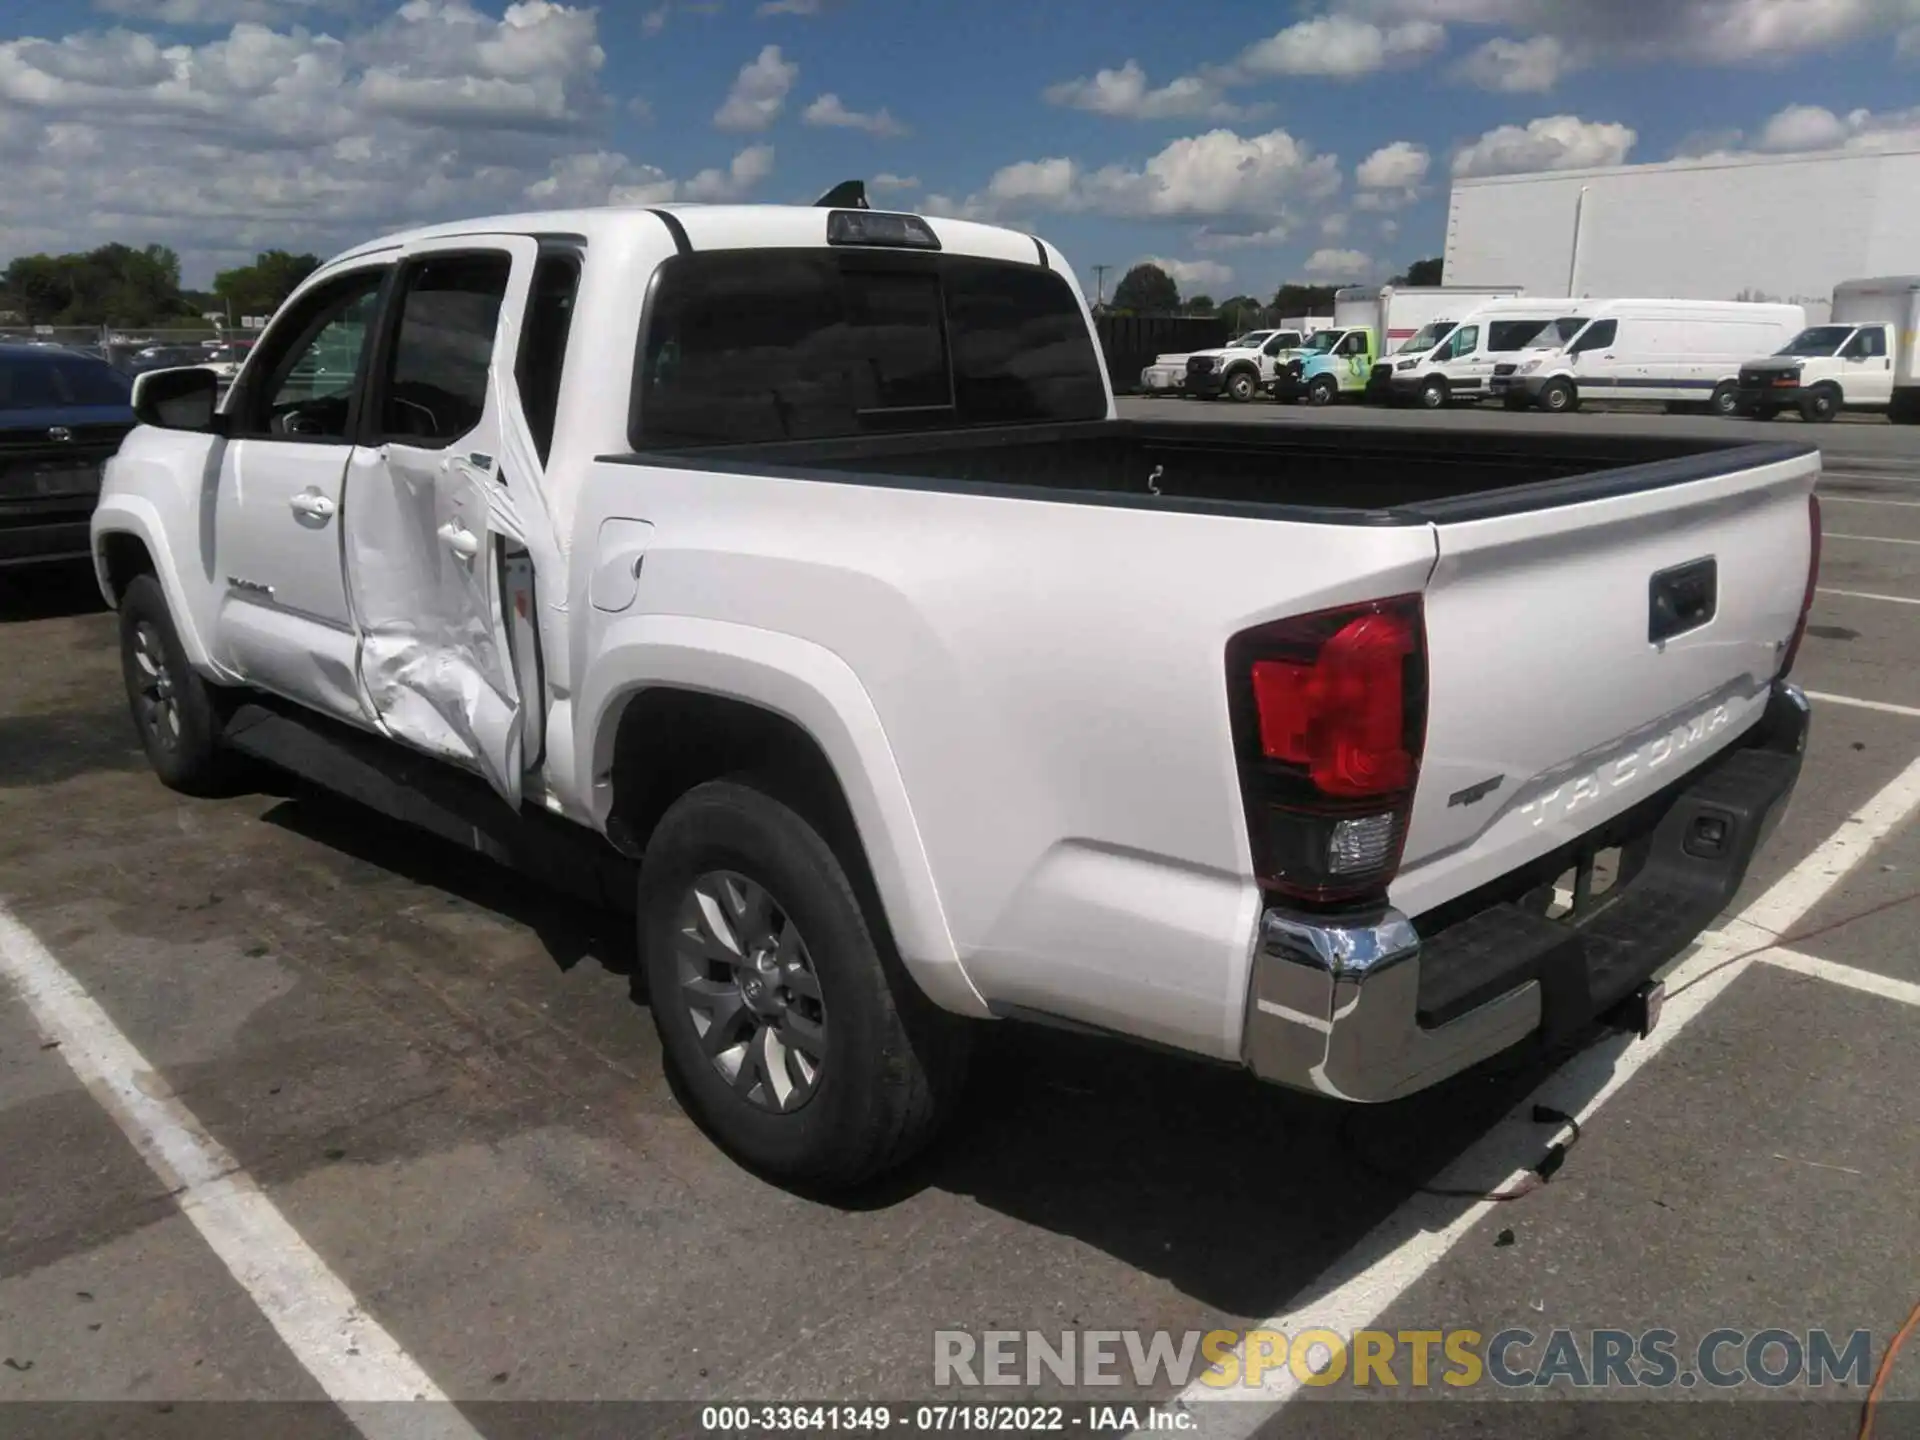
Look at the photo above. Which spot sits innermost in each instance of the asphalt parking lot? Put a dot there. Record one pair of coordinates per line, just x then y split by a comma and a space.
438, 1078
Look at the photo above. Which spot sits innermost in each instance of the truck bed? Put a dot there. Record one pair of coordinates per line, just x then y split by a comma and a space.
1330, 474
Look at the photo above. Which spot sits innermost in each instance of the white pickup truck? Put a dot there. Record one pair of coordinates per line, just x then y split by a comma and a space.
785, 572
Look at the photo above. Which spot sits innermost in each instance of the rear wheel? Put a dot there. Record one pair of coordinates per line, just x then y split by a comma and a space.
1725, 399
792, 1033
1323, 391
1241, 386
1905, 409
1820, 406
176, 712
1558, 396
1434, 394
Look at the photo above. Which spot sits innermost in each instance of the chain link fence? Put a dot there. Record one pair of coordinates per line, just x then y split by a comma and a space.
138, 347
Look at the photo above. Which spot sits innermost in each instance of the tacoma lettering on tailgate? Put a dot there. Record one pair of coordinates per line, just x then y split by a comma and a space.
1564, 800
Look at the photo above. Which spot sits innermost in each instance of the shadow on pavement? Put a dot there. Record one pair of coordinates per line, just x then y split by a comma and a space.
46, 592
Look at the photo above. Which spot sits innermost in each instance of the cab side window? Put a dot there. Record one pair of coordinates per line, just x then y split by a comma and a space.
1867, 345
432, 386
1599, 336
1354, 345
304, 384
1465, 341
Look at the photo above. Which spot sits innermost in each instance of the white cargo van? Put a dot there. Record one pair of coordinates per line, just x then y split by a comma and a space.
1369, 321
1864, 360
1685, 352
1444, 362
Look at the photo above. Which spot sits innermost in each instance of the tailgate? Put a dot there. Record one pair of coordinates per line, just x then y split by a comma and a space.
1557, 697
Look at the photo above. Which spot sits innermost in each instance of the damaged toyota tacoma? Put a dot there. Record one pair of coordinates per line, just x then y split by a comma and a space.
784, 574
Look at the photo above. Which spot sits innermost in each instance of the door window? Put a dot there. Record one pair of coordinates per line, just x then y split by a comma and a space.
1867, 345
1598, 336
543, 348
1355, 344
303, 385
433, 386
1465, 341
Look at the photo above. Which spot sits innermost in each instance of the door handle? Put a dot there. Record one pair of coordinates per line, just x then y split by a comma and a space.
460, 540
313, 504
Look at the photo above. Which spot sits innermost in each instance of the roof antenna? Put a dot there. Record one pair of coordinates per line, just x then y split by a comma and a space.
847, 195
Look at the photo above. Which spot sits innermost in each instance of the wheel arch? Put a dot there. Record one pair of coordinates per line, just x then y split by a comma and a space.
128, 539
673, 701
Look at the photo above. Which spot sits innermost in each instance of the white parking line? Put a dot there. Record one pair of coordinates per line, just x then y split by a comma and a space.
1870, 539
1851, 976
1869, 595
1827, 498
1400, 1251
1881, 705
358, 1364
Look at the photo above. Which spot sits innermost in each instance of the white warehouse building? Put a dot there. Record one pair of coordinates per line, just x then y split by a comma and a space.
1762, 227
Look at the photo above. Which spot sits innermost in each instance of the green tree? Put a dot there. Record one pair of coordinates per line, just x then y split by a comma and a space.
258, 289
112, 284
1200, 305
1422, 272
1242, 313
1147, 290
1295, 299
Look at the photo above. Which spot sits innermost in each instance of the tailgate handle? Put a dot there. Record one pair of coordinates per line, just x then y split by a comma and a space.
1682, 599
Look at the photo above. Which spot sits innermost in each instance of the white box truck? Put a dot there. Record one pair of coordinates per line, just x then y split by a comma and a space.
1864, 360
1369, 321
1687, 353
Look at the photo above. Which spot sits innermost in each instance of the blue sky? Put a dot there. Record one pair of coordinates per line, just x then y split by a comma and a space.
1247, 144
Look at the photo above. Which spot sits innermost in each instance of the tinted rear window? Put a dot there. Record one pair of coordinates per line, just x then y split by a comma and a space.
44, 382
745, 346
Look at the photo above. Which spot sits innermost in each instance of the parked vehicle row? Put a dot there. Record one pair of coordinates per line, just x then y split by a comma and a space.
61, 415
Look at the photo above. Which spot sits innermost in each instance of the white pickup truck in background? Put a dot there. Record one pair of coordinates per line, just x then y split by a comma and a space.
785, 574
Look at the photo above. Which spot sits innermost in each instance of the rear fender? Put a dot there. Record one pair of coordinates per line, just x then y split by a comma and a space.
816, 690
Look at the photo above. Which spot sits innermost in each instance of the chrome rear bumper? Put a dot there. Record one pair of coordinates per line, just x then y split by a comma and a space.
1366, 1009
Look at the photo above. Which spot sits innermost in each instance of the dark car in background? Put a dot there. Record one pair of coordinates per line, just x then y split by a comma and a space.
61, 415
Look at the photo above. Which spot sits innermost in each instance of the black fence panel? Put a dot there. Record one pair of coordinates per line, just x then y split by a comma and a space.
1130, 342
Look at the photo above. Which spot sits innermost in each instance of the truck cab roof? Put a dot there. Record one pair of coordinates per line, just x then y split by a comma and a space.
715, 227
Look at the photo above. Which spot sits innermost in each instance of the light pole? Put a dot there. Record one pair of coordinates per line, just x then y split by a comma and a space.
1573, 261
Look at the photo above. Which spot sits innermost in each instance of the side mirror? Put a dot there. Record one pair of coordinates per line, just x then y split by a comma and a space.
186, 399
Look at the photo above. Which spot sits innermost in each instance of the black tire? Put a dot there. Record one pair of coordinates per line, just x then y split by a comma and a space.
1905, 409
1242, 386
1557, 397
893, 1061
177, 714
1323, 391
1435, 394
1820, 405
1725, 400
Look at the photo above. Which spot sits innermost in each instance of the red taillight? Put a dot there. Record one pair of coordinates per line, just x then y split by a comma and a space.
1813, 581
1330, 717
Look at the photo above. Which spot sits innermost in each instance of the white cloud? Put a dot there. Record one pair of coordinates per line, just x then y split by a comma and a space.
1333, 225
829, 111
1394, 167
1192, 276
213, 12
1389, 230
1714, 32
605, 177
1517, 67
1555, 142
1339, 265
286, 138
1125, 94
759, 92
1341, 47
1804, 127
1216, 174
886, 180
1390, 178
1208, 238
655, 20
788, 7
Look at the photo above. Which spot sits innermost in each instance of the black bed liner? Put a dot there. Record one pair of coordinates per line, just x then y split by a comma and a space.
1328, 474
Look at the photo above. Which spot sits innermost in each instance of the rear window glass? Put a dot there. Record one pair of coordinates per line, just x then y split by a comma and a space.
38, 382
757, 345
1506, 335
